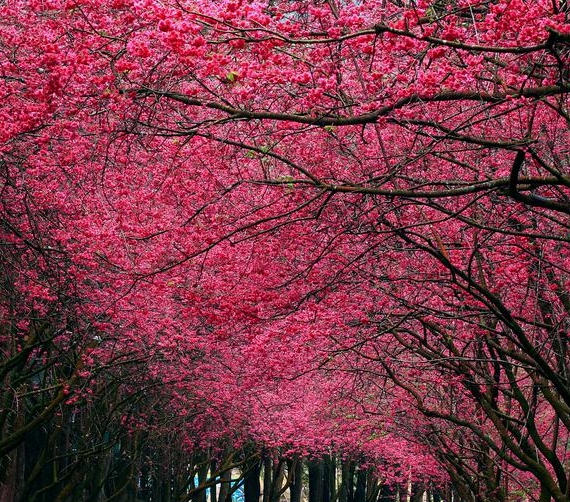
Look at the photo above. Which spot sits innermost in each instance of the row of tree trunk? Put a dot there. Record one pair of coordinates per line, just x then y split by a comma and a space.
322, 480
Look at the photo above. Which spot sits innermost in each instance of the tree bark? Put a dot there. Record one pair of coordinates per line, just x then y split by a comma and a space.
267, 479
316, 481
251, 484
225, 486
296, 488
360, 492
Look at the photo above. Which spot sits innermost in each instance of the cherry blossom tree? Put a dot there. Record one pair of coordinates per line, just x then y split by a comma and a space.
309, 227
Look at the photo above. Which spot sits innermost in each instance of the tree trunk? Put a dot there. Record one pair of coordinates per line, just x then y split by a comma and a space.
417, 493
360, 492
387, 493
201, 495
213, 491
9, 478
296, 488
225, 486
251, 483
372, 487
267, 479
328, 479
346, 490
316, 481
278, 476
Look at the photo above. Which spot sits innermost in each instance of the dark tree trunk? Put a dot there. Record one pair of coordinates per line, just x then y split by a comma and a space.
251, 483
346, 490
201, 495
277, 484
387, 493
8, 480
328, 480
225, 478
316, 481
360, 492
213, 491
267, 479
296, 488
417, 493
372, 487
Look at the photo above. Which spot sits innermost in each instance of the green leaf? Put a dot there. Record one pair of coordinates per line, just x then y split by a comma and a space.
232, 76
